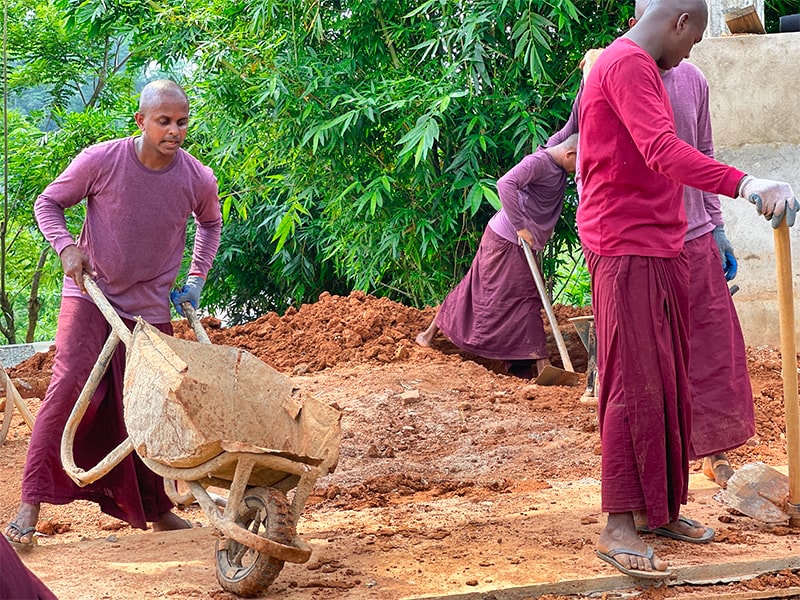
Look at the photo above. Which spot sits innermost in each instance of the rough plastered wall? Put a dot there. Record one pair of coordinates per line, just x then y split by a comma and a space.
755, 115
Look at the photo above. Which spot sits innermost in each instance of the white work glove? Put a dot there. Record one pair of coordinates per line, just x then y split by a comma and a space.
772, 199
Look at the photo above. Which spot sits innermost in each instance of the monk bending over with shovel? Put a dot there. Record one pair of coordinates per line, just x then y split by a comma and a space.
495, 311
632, 226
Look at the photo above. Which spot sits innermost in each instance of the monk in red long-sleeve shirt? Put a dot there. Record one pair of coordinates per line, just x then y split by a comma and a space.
632, 224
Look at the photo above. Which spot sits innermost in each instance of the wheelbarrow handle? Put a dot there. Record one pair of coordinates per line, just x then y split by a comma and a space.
194, 321
108, 311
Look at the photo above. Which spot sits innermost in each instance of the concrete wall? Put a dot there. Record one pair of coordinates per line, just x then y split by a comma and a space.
755, 116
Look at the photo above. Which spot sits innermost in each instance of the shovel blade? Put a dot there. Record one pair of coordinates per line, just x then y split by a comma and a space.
551, 375
758, 491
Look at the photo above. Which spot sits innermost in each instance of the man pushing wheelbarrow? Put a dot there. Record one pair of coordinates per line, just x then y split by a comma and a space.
208, 415
139, 192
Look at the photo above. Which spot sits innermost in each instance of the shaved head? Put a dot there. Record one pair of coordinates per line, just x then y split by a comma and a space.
157, 91
668, 29
163, 119
696, 9
639, 7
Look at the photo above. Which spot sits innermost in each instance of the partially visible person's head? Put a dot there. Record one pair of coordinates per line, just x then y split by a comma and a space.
568, 150
588, 60
668, 29
639, 6
163, 117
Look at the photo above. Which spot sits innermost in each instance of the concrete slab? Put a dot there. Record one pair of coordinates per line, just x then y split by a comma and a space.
13, 354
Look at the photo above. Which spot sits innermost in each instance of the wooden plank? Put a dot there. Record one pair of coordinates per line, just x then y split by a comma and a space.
744, 20
697, 575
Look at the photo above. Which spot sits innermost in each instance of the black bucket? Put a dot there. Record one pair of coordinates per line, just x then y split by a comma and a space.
789, 23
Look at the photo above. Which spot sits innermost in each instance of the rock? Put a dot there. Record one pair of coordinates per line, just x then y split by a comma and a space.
410, 397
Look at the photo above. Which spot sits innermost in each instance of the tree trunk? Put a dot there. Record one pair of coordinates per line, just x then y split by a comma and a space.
34, 306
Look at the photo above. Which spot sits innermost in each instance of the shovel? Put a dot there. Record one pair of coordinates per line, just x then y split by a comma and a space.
756, 489
550, 375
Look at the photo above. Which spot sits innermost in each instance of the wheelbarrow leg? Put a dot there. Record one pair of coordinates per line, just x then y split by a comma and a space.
241, 476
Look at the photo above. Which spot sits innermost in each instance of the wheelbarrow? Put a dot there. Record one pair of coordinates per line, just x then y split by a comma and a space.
212, 415
13, 399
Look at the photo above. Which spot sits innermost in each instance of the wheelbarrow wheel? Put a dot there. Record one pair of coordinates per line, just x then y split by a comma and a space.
243, 570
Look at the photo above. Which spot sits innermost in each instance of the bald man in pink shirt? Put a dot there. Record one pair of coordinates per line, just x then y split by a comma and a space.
140, 193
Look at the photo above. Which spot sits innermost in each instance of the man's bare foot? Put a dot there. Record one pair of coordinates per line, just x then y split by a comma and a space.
169, 521
425, 338
683, 529
620, 535
717, 468
22, 529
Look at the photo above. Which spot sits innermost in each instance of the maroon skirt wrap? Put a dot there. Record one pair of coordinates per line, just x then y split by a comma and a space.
722, 397
17, 582
640, 306
130, 491
495, 311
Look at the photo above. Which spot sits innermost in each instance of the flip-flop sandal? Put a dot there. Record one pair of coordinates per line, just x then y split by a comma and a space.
655, 574
21, 533
718, 471
707, 536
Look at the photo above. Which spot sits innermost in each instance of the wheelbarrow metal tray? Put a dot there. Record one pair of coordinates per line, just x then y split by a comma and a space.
184, 400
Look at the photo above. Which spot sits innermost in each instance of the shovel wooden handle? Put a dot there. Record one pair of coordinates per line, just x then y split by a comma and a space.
548, 308
783, 261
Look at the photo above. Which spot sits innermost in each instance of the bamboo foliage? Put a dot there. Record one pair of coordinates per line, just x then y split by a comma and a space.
357, 143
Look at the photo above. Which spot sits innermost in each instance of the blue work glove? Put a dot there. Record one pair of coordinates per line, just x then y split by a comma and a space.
730, 266
726, 255
772, 199
188, 293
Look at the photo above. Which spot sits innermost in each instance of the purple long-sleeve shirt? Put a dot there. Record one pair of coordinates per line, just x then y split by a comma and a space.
134, 232
687, 88
532, 195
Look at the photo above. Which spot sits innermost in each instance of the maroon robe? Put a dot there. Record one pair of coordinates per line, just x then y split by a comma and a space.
495, 311
17, 582
131, 491
722, 398
644, 404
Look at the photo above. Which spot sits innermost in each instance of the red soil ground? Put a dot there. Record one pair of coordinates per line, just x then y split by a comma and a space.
454, 478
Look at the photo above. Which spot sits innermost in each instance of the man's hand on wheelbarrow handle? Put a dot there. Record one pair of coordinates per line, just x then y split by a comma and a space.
189, 293
75, 263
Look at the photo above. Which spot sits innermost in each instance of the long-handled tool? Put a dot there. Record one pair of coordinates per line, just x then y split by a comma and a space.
757, 489
550, 375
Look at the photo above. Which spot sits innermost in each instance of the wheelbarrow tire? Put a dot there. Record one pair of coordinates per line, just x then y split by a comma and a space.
243, 570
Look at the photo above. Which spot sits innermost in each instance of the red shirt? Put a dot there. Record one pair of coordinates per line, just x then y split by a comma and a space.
633, 164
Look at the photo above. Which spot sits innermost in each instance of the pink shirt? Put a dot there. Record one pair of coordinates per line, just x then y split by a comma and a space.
134, 232
633, 163
532, 194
